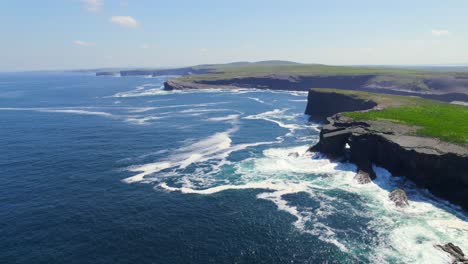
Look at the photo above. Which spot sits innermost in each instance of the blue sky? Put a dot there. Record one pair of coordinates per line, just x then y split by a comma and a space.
70, 34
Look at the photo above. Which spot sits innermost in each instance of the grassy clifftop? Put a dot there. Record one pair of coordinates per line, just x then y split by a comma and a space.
403, 78
444, 121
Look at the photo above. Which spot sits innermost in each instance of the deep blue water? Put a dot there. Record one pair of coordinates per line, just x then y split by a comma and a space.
116, 170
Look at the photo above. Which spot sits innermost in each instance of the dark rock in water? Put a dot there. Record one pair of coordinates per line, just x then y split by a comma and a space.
362, 177
293, 154
455, 252
398, 196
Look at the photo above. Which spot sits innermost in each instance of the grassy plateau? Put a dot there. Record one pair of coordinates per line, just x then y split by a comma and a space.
447, 122
406, 78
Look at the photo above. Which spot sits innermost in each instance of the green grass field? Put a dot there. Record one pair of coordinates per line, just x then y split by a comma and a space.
225, 71
445, 121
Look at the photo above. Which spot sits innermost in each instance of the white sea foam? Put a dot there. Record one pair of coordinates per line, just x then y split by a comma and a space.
138, 92
79, 112
273, 172
278, 117
230, 118
151, 108
57, 110
142, 120
257, 100
157, 89
213, 147
408, 235
210, 110
216, 147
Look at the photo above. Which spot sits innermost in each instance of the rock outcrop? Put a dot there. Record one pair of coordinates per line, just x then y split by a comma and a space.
438, 166
362, 177
456, 253
399, 197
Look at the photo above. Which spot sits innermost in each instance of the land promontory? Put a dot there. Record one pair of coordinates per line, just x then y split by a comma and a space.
423, 140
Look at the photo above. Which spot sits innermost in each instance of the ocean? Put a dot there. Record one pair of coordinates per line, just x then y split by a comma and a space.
117, 170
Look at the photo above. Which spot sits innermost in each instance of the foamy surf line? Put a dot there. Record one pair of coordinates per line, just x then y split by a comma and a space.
277, 190
408, 234
266, 185
279, 117
215, 147
58, 110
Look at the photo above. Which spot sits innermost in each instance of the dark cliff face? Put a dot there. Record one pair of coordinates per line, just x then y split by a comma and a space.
304, 83
322, 105
295, 83
445, 174
440, 167
106, 73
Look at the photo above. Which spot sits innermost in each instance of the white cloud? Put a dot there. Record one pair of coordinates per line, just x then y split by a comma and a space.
92, 5
83, 43
126, 21
440, 32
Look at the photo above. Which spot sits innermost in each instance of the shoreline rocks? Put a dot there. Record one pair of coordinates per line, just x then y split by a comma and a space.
399, 197
454, 251
362, 177
440, 167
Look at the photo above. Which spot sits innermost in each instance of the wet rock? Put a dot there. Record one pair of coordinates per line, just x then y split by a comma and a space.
362, 177
293, 154
398, 196
455, 252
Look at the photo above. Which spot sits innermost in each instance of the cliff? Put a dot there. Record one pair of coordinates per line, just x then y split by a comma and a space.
304, 83
338, 103
429, 83
431, 163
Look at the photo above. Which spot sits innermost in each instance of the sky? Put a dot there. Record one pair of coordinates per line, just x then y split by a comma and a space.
84, 34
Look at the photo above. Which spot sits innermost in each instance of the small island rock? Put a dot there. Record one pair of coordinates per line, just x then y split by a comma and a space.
398, 196
362, 177
455, 252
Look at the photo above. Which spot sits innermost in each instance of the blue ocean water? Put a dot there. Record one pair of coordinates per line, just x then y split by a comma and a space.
116, 170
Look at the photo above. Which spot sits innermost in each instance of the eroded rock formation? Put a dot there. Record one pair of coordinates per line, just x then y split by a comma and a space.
399, 197
438, 166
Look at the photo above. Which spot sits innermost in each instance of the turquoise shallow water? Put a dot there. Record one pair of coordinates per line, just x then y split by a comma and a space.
100, 170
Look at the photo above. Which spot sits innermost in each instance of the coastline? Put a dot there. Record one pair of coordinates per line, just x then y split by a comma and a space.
297, 83
439, 166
